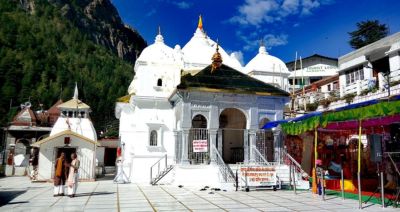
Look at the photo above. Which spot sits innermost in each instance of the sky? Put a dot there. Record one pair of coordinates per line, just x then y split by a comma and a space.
287, 26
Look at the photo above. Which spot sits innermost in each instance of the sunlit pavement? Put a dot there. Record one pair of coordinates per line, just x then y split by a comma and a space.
19, 194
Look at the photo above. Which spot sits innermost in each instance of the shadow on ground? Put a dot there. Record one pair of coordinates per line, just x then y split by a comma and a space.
7, 196
93, 194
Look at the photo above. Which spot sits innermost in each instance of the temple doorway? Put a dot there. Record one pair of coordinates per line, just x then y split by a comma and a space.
232, 124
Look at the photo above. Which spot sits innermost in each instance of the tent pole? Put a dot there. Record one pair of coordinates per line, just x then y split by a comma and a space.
359, 165
314, 182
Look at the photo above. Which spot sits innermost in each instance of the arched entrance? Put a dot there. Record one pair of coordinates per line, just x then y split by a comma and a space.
199, 142
232, 124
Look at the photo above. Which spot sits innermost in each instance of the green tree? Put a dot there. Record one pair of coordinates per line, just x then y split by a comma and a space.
367, 32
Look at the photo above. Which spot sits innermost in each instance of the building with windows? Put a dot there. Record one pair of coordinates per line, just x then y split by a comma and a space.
375, 65
310, 70
27, 127
371, 72
195, 109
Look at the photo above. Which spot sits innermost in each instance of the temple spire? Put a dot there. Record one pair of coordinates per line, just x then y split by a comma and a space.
76, 91
216, 60
200, 24
159, 37
262, 49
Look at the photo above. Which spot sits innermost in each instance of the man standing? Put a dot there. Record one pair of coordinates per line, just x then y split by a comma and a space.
72, 180
60, 175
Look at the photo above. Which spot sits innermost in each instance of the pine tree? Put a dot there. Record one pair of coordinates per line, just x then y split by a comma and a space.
367, 32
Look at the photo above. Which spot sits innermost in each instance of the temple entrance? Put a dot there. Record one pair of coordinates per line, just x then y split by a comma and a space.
265, 141
199, 142
232, 124
67, 151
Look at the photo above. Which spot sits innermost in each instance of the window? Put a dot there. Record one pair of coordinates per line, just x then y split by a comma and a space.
153, 138
329, 87
354, 74
159, 82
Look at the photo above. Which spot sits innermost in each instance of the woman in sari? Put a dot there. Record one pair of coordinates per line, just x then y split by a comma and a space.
72, 180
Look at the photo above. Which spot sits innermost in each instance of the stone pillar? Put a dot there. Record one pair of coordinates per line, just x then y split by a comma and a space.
178, 147
278, 144
220, 144
213, 141
252, 143
185, 146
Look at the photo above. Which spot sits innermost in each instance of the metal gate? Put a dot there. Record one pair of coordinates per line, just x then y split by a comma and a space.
265, 144
198, 157
235, 153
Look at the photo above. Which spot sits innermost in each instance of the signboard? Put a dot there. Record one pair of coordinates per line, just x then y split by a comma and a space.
258, 176
200, 146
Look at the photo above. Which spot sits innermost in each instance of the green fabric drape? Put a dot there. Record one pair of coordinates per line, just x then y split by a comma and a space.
297, 128
362, 113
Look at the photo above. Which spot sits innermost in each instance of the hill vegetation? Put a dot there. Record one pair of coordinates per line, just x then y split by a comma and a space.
42, 55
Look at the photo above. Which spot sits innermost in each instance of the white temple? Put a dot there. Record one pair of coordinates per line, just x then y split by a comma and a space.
196, 108
73, 132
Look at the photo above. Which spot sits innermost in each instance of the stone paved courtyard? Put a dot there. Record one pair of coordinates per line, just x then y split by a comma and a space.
19, 194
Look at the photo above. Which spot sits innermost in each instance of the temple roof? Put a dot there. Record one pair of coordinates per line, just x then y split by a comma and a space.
74, 104
229, 80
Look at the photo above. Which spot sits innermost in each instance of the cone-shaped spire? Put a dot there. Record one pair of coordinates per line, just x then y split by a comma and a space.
200, 24
159, 37
76, 91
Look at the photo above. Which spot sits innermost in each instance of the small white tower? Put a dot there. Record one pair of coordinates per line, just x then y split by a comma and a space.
75, 117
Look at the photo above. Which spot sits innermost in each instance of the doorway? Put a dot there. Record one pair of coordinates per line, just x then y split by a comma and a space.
232, 124
67, 151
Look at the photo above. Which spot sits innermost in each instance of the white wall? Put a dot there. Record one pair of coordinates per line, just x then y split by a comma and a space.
48, 152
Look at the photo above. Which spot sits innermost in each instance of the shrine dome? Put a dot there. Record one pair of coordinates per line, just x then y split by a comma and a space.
157, 53
197, 53
264, 62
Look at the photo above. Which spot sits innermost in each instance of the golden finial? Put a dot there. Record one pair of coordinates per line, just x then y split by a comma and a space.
200, 24
216, 59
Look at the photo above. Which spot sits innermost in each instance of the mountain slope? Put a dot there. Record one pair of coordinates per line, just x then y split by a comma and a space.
43, 53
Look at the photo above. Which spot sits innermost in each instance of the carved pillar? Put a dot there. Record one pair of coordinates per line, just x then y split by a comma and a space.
252, 143
220, 143
278, 144
213, 141
185, 146
178, 147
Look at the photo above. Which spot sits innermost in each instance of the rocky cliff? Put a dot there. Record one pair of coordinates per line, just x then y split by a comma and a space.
100, 20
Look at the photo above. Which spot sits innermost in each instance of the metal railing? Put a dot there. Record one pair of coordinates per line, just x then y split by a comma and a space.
158, 166
289, 160
258, 157
225, 170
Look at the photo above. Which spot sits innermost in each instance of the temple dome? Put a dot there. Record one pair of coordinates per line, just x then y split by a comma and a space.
264, 62
157, 53
198, 51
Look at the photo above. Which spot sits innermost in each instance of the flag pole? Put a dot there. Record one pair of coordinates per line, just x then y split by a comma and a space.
293, 80
359, 165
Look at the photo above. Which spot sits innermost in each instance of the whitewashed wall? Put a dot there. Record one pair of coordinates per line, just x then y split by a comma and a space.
48, 152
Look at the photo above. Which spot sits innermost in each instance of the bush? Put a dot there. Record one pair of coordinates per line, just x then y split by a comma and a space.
349, 97
312, 106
